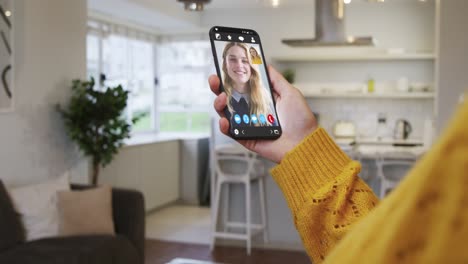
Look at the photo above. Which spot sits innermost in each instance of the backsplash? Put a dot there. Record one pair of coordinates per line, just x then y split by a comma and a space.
364, 112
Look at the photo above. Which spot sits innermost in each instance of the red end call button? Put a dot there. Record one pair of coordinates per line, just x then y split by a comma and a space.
271, 119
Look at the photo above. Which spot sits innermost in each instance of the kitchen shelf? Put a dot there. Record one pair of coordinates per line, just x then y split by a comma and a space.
304, 57
415, 95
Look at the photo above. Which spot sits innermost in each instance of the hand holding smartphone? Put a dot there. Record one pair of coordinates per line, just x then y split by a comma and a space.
241, 67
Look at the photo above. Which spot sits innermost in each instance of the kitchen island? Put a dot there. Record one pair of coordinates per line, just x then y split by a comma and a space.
370, 151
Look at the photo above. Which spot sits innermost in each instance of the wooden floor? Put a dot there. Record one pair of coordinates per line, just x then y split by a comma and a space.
160, 252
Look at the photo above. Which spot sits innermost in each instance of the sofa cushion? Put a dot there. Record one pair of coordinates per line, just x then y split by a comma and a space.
96, 203
11, 229
98, 249
37, 205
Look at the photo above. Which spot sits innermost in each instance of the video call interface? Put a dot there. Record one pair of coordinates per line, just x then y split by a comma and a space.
244, 78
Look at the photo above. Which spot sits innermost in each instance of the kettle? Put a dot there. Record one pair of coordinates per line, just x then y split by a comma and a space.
402, 129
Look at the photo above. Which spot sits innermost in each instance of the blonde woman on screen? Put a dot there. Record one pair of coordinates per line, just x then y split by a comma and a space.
242, 84
254, 55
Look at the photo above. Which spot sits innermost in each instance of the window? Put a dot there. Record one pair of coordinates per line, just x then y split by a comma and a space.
129, 62
184, 98
92, 56
167, 82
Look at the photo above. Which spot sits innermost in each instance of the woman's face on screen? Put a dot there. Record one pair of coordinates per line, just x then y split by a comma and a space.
253, 53
238, 67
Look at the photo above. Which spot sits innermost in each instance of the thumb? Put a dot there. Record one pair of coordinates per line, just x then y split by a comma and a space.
280, 85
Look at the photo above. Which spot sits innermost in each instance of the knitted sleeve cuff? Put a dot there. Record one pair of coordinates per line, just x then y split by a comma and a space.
316, 161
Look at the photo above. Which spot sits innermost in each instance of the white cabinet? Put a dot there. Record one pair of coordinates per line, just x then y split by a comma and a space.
151, 168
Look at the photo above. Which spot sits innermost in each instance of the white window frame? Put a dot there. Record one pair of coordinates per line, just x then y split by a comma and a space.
156, 108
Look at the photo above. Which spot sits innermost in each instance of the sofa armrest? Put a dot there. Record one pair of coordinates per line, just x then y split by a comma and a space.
128, 207
129, 217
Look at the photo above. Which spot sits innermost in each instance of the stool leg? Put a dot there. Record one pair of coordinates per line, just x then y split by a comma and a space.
383, 188
248, 219
226, 208
215, 218
261, 187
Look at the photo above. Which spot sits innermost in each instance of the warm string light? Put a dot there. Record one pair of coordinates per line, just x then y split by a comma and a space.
347, 1
8, 13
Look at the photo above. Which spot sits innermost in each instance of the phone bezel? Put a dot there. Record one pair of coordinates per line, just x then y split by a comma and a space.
220, 29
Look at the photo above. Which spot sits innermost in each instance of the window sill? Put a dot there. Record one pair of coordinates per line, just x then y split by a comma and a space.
151, 138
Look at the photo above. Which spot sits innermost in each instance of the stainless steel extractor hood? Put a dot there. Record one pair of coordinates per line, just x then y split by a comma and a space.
329, 28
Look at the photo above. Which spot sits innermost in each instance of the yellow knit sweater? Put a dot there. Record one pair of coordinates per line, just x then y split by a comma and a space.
424, 220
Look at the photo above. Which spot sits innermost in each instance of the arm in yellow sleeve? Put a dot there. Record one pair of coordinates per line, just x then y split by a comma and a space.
323, 190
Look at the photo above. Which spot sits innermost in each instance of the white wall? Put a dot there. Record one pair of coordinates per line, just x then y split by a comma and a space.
5, 59
452, 57
364, 113
50, 51
395, 24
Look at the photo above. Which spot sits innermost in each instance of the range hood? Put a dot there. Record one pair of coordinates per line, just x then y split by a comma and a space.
329, 28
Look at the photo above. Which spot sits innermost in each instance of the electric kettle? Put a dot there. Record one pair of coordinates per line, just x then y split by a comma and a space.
402, 129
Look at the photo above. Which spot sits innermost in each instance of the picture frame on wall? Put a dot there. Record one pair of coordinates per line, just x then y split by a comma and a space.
7, 94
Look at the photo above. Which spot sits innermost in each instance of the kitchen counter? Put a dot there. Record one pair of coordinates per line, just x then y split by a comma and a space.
389, 151
389, 141
372, 148
369, 150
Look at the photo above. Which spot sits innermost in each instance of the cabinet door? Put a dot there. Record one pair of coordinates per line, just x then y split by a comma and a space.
124, 170
159, 167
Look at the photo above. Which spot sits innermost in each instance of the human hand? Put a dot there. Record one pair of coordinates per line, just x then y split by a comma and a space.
296, 119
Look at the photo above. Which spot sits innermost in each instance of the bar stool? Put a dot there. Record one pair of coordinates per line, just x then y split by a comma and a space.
255, 171
389, 181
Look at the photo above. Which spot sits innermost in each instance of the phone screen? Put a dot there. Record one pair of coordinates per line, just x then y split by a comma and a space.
241, 67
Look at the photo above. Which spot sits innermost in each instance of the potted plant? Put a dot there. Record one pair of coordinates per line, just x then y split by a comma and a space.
94, 120
289, 75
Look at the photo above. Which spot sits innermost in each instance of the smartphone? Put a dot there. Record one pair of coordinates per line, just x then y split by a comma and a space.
241, 67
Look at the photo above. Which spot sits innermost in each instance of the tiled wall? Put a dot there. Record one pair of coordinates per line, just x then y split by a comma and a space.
364, 111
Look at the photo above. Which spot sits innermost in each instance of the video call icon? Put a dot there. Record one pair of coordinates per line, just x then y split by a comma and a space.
241, 38
229, 37
218, 36
237, 119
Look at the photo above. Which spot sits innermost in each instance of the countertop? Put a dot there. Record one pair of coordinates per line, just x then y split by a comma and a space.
151, 138
369, 148
372, 148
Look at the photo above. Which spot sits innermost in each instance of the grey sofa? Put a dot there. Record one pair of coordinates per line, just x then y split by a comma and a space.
126, 247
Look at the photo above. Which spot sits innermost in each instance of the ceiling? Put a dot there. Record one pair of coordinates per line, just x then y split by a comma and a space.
160, 15
169, 15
